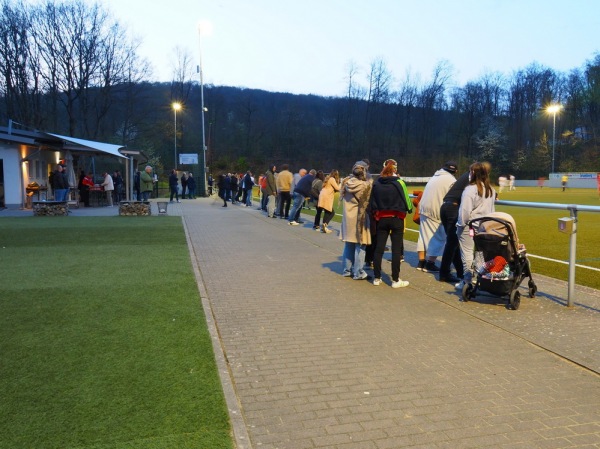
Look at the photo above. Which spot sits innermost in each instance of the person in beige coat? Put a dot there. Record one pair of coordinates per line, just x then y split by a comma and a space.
355, 193
331, 184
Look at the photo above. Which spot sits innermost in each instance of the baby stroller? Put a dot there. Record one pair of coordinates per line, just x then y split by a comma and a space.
500, 262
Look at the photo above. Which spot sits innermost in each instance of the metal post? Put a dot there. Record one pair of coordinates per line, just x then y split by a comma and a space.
572, 256
175, 134
202, 155
553, 137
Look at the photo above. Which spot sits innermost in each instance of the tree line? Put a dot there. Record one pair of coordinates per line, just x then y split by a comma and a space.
71, 68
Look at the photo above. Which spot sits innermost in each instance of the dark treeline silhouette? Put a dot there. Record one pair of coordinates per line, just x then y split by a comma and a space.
98, 89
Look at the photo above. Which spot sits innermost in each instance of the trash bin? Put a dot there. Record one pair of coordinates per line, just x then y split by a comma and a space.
162, 207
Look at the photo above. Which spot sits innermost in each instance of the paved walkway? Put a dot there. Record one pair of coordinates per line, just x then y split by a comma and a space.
314, 360
309, 359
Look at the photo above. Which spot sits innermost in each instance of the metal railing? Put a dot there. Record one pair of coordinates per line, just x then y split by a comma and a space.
573, 209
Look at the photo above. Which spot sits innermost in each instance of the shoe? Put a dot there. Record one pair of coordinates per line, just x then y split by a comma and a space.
347, 274
300, 222
293, 223
317, 228
376, 281
421, 266
462, 283
399, 284
178, 201
325, 230
449, 279
365, 277
431, 267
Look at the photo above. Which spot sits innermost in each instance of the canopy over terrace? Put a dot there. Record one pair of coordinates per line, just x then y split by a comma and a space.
21, 146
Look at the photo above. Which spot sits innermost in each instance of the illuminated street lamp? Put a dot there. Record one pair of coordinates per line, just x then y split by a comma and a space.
553, 109
176, 107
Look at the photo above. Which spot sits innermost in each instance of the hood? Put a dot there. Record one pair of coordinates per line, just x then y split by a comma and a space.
387, 179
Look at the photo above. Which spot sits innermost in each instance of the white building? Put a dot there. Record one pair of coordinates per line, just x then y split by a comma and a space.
28, 157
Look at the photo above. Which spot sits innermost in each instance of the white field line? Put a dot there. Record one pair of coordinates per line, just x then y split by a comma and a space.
564, 262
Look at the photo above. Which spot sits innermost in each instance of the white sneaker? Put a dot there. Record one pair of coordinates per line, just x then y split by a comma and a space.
376, 281
400, 283
293, 223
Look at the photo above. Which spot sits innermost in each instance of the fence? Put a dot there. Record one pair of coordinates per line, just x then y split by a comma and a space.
568, 226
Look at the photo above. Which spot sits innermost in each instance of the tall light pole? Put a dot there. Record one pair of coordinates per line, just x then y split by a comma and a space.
553, 109
176, 107
204, 28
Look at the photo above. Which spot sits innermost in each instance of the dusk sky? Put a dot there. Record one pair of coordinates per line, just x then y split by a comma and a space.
307, 46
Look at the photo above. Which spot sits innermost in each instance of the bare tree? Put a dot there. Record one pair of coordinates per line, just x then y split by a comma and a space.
19, 68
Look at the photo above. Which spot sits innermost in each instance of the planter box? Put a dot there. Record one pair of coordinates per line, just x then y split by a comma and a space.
135, 208
50, 208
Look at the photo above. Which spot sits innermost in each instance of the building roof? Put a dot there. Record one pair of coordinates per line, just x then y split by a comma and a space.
90, 145
58, 142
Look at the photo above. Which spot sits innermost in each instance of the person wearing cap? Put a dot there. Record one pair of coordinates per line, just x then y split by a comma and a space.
432, 236
449, 217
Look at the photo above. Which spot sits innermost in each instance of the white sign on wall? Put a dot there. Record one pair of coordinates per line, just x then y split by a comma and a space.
188, 159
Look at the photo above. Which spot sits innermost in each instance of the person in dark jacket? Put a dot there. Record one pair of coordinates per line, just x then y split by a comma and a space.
389, 205
224, 186
449, 216
191, 185
184, 179
60, 183
301, 192
233, 187
173, 186
248, 184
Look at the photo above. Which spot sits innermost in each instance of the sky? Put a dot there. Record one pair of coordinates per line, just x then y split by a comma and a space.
308, 46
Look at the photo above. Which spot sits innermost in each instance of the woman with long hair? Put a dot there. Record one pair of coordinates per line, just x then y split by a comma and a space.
389, 204
331, 184
477, 201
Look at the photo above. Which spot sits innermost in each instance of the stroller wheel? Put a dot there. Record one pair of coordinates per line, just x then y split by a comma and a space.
515, 299
467, 291
532, 288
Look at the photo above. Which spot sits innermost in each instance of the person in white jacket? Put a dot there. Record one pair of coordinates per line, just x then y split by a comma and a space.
108, 188
478, 200
432, 236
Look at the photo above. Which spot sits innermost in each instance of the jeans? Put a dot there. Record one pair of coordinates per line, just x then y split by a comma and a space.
61, 194
353, 259
263, 199
146, 195
298, 201
248, 197
394, 228
175, 193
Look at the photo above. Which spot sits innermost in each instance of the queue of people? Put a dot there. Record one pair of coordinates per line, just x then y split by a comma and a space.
374, 212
